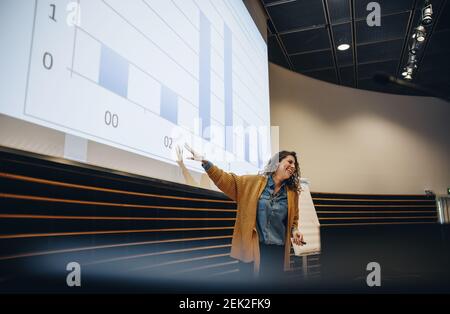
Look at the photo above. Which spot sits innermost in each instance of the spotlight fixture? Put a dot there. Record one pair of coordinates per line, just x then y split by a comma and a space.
417, 39
408, 75
427, 14
408, 71
415, 45
413, 51
343, 47
420, 33
405, 72
412, 60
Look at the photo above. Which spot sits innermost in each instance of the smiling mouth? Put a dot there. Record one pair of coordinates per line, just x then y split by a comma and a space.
290, 171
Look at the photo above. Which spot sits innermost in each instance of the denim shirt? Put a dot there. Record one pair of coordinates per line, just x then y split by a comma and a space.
272, 214
271, 218
207, 165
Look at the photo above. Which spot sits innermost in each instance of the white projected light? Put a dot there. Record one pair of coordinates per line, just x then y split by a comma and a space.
139, 75
343, 47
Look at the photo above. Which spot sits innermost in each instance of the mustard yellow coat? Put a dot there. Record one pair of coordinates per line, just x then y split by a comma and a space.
246, 191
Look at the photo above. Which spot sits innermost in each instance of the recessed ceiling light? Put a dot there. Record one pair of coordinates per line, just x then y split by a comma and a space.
343, 47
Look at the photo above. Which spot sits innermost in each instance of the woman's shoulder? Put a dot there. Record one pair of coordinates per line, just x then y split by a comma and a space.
253, 177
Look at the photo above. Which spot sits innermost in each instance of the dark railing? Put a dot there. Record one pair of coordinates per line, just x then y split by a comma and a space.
340, 210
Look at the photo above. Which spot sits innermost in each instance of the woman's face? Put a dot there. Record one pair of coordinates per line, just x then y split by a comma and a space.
286, 167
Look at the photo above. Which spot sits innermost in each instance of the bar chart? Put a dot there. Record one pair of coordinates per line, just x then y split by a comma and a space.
144, 75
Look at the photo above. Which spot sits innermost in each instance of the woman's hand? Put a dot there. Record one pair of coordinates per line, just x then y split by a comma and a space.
179, 152
297, 238
195, 156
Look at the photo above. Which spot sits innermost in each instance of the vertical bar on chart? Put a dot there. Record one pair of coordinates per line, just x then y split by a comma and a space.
169, 104
204, 81
113, 74
247, 141
259, 150
228, 88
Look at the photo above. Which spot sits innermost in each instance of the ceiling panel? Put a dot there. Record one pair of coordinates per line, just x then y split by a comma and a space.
276, 54
297, 14
386, 6
347, 76
432, 75
436, 60
392, 26
270, 28
444, 19
308, 40
339, 11
342, 33
345, 58
314, 60
439, 42
368, 70
380, 51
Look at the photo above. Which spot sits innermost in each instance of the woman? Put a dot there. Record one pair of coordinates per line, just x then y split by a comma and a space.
267, 212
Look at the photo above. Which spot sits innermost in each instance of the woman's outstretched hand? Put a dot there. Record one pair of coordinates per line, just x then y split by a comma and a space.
179, 152
195, 156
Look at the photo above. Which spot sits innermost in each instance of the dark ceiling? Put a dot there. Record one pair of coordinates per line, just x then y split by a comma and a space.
303, 36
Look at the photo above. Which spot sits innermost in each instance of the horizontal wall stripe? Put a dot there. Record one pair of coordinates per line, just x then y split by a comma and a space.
222, 273
364, 217
25, 226
384, 203
361, 205
92, 188
370, 200
128, 257
365, 194
340, 209
57, 234
377, 223
374, 221
383, 217
204, 267
27, 216
23, 163
59, 200
179, 261
109, 246
17, 206
372, 211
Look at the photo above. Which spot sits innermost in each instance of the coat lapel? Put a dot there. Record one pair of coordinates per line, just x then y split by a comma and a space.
262, 185
291, 201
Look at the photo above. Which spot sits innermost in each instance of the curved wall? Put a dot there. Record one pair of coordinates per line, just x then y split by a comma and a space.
356, 141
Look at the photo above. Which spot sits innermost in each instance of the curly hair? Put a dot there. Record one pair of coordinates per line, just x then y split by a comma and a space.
294, 181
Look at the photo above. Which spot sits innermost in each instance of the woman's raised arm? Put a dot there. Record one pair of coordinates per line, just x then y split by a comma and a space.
226, 182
